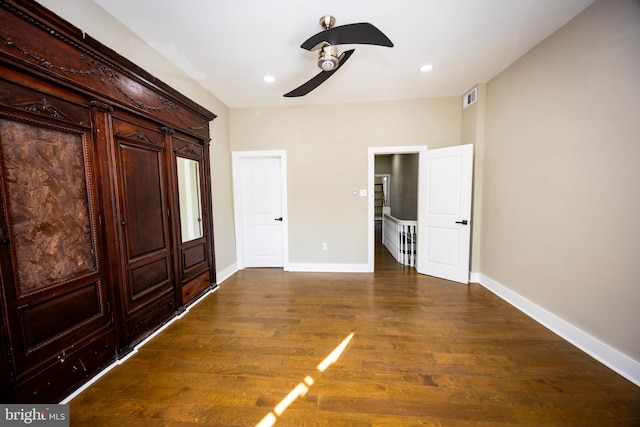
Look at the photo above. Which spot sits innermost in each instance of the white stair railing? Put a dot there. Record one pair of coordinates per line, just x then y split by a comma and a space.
399, 237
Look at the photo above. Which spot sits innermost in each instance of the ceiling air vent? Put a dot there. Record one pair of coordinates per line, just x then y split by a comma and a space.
470, 97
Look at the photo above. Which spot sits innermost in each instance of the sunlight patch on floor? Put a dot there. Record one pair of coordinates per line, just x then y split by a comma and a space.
303, 387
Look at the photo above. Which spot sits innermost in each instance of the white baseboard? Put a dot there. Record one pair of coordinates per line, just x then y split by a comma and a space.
329, 268
605, 354
221, 276
224, 274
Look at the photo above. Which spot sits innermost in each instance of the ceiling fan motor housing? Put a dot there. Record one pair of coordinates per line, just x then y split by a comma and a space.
328, 59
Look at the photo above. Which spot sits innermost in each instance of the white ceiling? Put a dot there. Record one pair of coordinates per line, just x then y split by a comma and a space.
229, 46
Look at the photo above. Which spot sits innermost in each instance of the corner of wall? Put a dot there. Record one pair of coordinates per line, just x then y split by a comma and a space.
607, 355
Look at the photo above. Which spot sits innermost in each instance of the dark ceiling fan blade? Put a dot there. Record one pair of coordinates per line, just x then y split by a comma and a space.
362, 33
319, 78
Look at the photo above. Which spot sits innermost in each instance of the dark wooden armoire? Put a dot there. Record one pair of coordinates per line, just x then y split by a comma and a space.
105, 204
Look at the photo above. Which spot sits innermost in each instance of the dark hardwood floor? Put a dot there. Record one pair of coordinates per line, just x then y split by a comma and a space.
424, 352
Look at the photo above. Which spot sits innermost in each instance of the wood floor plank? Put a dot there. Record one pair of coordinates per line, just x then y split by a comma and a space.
424, 352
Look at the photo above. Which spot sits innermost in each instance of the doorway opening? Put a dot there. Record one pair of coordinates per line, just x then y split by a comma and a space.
396, 220
445, 177
402, 196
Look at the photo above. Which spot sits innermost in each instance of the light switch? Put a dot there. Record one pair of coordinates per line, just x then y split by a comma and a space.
363, 193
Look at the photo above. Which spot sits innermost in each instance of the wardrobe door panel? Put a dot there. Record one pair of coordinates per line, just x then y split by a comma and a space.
143, 223
194, 240
51, 263
48, 205
144, 194
192, 256
146, 277
71, 309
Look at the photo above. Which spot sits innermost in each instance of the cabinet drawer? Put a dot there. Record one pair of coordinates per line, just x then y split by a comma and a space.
148, 319
68, 371
195, 287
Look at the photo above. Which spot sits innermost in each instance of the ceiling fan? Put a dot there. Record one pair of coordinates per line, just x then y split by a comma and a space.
325, 41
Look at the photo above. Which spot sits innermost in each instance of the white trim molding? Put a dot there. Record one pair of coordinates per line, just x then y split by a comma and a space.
605, 354
329, 268
224, 274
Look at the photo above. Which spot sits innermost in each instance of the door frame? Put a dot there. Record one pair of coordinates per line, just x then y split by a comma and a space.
421, 150
238, 158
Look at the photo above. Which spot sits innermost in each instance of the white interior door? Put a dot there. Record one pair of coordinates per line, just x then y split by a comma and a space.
261, 212
444, 213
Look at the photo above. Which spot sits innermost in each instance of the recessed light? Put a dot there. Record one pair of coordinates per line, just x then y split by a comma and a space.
269, 79
426, 68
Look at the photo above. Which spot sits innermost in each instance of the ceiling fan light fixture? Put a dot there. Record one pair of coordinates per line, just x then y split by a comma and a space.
328, 59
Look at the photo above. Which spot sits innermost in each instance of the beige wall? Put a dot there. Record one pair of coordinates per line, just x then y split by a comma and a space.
327, 157
473, 132
382, 164
560, 200
91, 18
404, 186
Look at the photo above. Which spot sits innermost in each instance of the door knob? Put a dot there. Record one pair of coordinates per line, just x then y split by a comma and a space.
278, 219
463, 222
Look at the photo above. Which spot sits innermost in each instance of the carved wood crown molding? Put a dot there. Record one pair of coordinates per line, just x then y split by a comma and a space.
101, 106
187, 150
139, 136
167, 130
99, 67
43, 106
